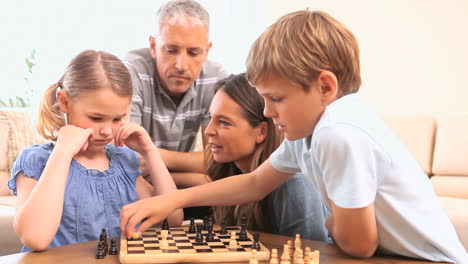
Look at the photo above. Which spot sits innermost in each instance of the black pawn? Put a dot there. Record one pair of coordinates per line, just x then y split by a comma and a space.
210, 235
191, 229
223, 230
165, 225
113, 248
199, 236
205, 222
255, 244
243, 231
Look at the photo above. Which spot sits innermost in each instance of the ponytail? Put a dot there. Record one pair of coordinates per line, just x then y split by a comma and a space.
50, 118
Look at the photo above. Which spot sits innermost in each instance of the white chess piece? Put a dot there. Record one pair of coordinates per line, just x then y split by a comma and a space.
274, 256
233, 241
163, 241
285, 257
254, 260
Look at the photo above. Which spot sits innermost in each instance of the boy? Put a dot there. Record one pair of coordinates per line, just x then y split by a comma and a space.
306, 67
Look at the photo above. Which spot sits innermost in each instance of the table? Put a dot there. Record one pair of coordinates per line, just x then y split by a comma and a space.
85, 253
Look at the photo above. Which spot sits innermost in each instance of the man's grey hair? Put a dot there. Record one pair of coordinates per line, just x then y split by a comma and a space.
176, 10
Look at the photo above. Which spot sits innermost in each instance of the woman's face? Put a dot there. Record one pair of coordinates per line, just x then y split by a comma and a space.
230, 136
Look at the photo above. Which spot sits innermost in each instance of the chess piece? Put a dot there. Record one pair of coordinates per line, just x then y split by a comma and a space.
255, 244
307, 256
135, 235
100, 253
243, 231
199, 236
299, 256
210, 235
223, 230
297, 242
192, 226
113, 247
205, 222
165, 225
315, 257
103, 238
274, 256
290, 248
163, 242
254, 260
233, 241
285, 257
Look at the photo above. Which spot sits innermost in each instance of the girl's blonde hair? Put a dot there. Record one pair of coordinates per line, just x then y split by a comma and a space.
88, 71
238, 89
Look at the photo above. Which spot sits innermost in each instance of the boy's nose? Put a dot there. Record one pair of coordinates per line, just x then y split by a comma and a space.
105, 130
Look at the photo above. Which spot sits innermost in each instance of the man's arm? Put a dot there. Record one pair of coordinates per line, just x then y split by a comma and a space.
354, 230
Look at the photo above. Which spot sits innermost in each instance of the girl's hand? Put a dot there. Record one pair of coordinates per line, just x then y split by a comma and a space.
135, 137
72, 139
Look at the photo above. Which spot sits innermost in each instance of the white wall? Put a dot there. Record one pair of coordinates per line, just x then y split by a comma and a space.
59, 30
414, 53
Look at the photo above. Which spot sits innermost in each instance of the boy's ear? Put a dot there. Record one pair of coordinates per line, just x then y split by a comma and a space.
63, 100
328, 86
263, 132
152, 49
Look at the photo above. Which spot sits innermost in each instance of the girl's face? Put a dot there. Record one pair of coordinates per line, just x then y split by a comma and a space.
231, 137
102, 110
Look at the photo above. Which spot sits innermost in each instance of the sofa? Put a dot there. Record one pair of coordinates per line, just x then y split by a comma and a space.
439, 145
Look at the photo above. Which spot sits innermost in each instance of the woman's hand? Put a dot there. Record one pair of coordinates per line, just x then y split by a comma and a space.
135, 137
72, 139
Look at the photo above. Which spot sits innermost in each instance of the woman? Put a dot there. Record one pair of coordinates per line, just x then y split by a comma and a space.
240, 138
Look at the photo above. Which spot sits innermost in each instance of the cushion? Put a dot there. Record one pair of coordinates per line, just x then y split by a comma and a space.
451, 147
417, 133
457, 211
451, 186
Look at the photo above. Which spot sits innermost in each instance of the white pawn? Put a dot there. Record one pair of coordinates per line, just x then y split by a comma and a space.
163, 242
307, 256
316, 257
233, 242
285, 257
274, 256
254, 260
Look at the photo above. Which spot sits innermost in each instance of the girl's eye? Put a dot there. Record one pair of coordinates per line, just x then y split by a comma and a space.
95, 118
224, 123
275, 99
118, 119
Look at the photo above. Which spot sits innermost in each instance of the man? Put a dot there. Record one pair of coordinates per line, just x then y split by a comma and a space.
173, 83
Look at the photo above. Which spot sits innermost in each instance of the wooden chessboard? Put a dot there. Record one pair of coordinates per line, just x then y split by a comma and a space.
183, 248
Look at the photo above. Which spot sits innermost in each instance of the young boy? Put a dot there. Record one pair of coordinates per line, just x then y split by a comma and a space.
306, 66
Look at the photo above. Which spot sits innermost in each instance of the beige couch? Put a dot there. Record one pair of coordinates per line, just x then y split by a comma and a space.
440, 146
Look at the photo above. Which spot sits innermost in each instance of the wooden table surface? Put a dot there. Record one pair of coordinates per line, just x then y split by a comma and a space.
86, 253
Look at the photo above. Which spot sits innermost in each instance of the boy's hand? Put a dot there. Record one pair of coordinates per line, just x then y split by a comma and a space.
148, 212
135, 137
72, 139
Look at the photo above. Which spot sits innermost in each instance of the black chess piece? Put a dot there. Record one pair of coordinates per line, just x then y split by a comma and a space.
255, 244
199, 236
100, 253
165, 225
223, 230
103, 238
113, 248
192, 226
205, 222
243, 231
210, 235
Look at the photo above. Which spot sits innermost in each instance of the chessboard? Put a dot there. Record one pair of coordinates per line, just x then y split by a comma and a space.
180, 246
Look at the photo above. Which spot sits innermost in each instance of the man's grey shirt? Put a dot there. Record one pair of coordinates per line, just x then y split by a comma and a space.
170, 127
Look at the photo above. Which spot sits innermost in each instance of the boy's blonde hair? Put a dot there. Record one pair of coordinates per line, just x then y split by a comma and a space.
89, 70
300, 45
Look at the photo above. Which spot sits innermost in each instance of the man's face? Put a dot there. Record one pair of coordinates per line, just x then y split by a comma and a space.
180, 50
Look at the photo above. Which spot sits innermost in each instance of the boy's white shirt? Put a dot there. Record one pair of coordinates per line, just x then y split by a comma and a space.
355, 160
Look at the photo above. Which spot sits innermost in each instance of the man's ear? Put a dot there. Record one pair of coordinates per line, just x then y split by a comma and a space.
263, 132
208, 47
328, 84
152, 42
63, 101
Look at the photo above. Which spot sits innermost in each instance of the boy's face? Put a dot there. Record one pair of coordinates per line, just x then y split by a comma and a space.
294, 111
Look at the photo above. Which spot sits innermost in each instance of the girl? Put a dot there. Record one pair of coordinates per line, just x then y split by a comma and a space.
240, 138
71, 188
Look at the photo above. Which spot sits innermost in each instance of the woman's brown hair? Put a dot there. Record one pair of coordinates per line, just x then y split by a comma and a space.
251, 103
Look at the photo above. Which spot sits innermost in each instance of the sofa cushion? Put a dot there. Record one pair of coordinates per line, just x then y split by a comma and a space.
451, 186
417, 133
457, 211
451, 147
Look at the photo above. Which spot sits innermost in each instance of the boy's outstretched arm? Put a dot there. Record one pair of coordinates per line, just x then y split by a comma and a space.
354, 230
232, 190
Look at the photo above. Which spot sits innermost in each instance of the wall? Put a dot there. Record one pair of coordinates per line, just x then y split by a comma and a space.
414, 54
